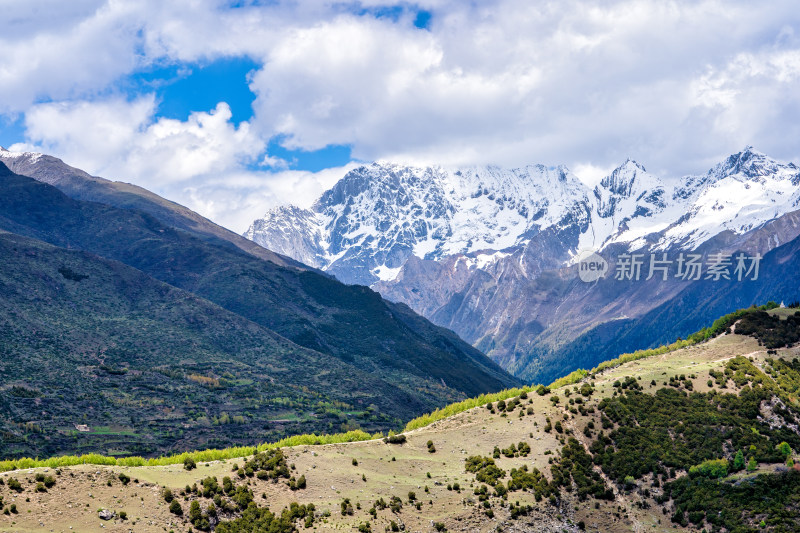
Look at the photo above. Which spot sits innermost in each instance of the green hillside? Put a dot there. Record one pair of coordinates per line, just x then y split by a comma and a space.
149, 367
175, 342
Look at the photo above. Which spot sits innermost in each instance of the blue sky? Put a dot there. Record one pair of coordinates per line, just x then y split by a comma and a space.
185, 88
233, 107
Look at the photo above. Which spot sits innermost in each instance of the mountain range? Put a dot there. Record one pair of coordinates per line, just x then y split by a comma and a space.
130, 324
493, 253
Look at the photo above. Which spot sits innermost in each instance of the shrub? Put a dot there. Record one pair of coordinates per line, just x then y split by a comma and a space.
14, 484
738, 461
714, 468
175, 508
395, 504
195, 514
395, 439
485, 469
168, 497
189, 464
347, 507
124, 478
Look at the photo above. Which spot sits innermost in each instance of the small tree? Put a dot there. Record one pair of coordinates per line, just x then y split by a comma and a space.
195, 514
784, 449
738, 461
175, 508
752, 465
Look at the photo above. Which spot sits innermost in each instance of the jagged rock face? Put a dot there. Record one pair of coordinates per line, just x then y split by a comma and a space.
487, 251
291, 232
366, 227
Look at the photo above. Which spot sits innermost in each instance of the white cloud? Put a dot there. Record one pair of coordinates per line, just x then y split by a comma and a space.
526, 82
123, 140
202, 162
237, 198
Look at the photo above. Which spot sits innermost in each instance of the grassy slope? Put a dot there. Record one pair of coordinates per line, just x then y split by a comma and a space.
332, 476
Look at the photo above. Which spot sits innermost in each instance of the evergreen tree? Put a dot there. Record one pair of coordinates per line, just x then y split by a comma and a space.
738, 461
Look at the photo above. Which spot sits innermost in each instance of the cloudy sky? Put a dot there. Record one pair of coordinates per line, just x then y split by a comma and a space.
230, 107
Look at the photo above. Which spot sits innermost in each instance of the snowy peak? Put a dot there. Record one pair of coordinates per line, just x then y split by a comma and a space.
621, 181
750, 164
27, 157
377, 216
290, 231
629, 191
370, 222
740, 194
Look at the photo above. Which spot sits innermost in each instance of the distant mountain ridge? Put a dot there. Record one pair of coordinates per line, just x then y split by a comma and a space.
491, 252
367, 225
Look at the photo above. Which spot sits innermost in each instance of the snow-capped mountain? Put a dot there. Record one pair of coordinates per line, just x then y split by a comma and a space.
365, 228
487, 251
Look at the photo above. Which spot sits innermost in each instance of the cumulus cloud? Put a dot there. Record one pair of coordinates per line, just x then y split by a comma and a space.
676, 85
124, 140
205, 162
522, 82
235, 199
